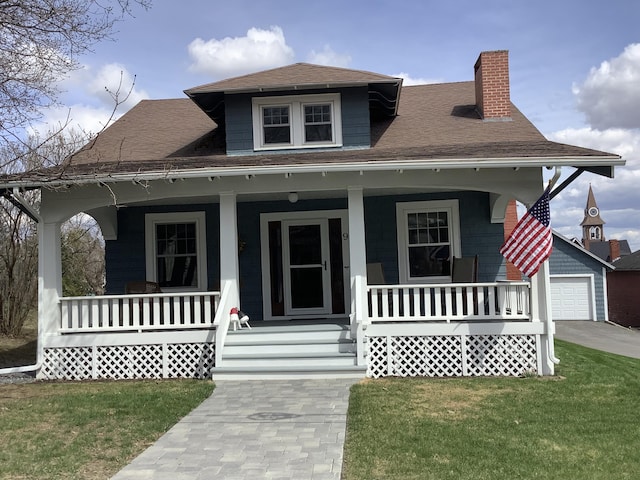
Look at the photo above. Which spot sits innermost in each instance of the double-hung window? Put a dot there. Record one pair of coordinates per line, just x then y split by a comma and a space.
317, 123
428, 238
301, 121
175, 250
276, 125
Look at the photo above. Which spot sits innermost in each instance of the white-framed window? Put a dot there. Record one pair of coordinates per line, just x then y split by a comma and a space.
594, 233
301, 121
176, 254
428, 238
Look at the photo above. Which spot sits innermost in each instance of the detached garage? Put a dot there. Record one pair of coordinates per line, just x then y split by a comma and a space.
578, 282
572, 297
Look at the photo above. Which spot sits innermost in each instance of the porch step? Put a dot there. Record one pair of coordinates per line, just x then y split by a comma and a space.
291, 372
289, 350
285, 359
289, 347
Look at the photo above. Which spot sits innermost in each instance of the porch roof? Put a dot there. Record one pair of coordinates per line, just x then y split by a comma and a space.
436, 127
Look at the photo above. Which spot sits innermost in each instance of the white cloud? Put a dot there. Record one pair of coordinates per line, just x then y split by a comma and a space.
258, 50
89, 99
328, 57
610, 96
409, 80
618, 198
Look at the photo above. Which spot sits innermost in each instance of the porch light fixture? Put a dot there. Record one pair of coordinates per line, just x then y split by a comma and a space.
293, 197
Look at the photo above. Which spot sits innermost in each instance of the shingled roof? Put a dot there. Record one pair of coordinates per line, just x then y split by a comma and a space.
435, 124
298, 75
383, 89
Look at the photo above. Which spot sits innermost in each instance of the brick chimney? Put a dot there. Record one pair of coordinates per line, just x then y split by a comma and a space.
493, 99
614, 250
510, 221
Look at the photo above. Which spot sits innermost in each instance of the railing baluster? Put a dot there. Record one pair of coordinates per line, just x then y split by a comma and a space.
385, 303
460, 302
197, 311
406, 309
166, 311
448, 305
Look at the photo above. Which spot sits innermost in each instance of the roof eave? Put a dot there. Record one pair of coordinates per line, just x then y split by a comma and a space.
414, 164
288, 87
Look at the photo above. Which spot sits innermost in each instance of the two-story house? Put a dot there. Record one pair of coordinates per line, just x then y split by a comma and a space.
331, 205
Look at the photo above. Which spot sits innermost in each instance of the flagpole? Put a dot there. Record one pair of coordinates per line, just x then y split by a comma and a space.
551, 328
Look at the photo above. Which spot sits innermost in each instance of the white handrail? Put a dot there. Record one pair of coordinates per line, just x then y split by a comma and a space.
222, 320
449, 302
139, 312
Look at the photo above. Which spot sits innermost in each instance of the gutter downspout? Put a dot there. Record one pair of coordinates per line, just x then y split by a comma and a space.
29, 210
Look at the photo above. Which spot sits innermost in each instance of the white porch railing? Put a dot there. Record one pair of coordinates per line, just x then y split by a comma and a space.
143, 312
449, 302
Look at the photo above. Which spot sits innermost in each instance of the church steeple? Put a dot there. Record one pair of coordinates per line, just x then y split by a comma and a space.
592, 225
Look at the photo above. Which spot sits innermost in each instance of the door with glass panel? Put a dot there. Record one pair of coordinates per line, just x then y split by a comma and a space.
307, 273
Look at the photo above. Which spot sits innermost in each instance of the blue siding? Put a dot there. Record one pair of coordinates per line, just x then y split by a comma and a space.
249, 232
238, 123
478, 235
125, 257
356, 129
356, 126
566, 260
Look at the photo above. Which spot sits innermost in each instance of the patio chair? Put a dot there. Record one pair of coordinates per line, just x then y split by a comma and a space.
375, 274
142, 287
465, 270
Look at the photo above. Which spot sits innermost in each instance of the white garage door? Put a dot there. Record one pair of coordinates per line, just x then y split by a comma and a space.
571, 298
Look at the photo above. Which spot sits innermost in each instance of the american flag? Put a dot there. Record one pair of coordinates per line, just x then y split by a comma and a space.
531, 241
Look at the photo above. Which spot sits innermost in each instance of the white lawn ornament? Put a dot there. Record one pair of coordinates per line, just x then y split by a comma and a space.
237, 318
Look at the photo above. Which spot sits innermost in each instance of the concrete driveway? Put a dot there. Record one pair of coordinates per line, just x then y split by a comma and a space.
601, 336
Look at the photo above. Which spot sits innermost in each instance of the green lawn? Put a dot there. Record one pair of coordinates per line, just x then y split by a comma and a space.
87, 430
583, 424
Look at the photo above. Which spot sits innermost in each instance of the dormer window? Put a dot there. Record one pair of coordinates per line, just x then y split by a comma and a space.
276, 126
301, 121
317, 123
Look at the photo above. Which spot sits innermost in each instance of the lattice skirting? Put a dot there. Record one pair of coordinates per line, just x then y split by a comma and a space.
452, 355
167, 360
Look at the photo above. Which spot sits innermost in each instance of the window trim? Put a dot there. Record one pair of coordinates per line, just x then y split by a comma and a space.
296, 104
153, 219
402, 226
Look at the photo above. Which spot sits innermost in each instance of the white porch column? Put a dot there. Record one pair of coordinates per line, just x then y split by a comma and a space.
541, 312
357, 266
49, 282
229, 268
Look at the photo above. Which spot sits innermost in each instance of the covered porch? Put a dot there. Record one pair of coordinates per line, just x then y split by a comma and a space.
127, 331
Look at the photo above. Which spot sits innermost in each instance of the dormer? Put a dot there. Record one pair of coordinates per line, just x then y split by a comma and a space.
298, 107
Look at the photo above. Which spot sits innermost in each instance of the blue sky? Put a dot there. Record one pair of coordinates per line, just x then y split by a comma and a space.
575, 66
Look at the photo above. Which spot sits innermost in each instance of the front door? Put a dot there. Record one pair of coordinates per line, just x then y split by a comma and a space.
307, 275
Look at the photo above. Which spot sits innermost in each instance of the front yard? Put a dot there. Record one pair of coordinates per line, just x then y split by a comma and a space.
582, 424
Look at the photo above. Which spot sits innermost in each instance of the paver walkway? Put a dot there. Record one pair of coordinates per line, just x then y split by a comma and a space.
254, 429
